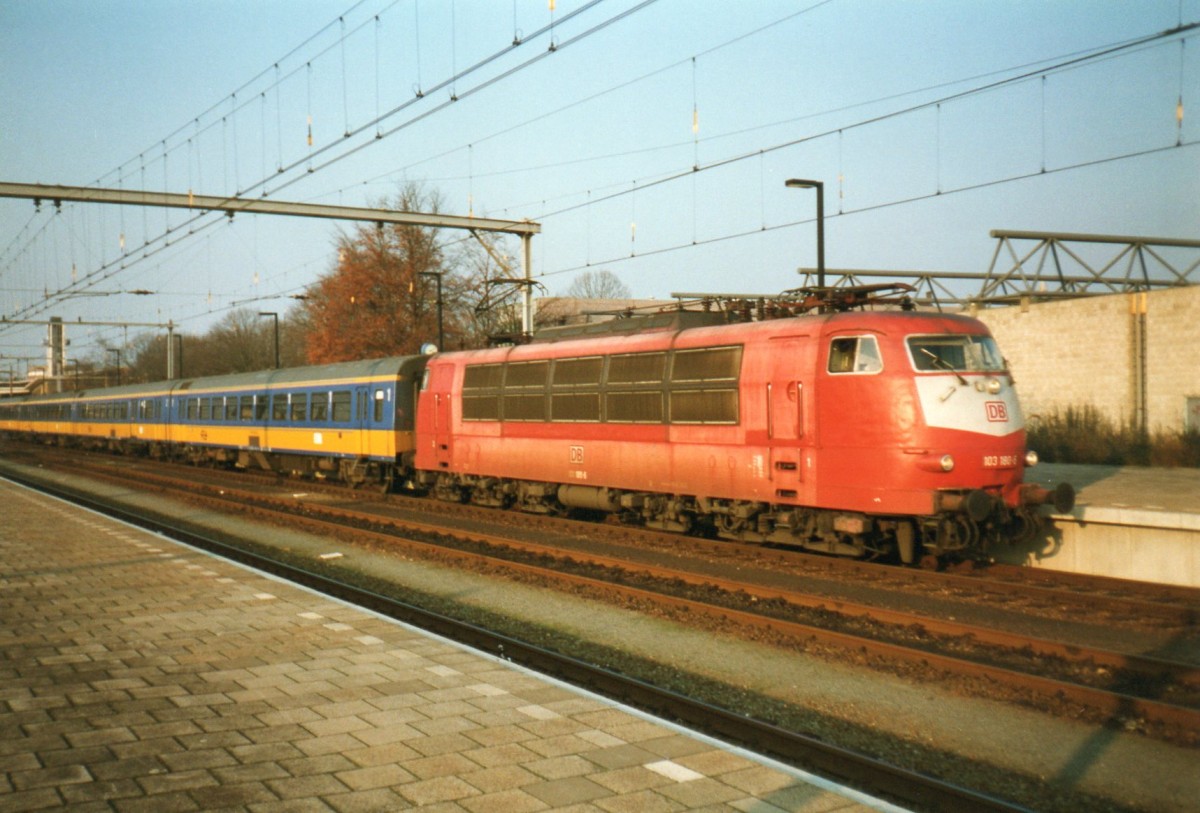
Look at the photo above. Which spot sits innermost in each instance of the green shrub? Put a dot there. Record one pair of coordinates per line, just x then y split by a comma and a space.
1084, 435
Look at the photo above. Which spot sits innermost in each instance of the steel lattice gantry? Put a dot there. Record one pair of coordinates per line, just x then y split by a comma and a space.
232, 205
1043, 270
1053, 267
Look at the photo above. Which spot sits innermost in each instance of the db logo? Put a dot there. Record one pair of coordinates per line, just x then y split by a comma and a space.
576, 455
997, 411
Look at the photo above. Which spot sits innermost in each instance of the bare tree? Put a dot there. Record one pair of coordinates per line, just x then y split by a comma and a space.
599, 284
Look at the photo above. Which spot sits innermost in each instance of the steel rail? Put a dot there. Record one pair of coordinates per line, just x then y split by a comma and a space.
855, 770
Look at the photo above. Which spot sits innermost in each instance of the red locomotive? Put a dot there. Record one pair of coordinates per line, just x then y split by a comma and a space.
855, 432
862, 433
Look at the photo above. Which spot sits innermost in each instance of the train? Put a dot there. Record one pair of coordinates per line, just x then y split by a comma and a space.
850, 431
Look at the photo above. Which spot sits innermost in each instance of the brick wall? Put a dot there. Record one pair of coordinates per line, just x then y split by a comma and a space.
1084, 352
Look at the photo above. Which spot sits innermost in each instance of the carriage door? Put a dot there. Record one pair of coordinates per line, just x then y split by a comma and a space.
790, 376
362, 424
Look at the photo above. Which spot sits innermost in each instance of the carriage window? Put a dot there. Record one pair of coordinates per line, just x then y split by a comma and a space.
320, 406
299, 407
279, 407
378, 416
955, 353
260, 408
854, 354
205, 409
246, 411
341, 407
231, 407
193, 408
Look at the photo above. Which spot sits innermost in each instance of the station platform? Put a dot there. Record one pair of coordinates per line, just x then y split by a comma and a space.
1128, 522
138, 674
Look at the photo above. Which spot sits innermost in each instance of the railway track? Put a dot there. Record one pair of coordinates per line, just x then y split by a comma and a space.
1057, 594
1158, 696
915, 789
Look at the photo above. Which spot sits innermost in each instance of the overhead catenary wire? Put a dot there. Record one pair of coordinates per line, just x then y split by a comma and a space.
695, 140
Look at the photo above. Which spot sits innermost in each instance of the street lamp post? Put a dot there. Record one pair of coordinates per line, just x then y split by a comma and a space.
800, 183
117, 350
274, 316
441, 333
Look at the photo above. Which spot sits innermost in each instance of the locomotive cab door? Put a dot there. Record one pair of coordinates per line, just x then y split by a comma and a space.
441, 380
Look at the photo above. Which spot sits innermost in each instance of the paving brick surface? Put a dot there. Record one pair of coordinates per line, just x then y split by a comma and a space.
140, 675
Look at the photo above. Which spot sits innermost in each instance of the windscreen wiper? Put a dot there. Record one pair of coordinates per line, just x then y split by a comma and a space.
938, 361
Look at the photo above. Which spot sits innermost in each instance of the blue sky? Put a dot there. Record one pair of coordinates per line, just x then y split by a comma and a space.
596, 139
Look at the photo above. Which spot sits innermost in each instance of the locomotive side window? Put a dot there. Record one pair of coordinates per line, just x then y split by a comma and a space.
854, 354
644, 406
709, 364
524, 391
634, 388
481, 392
637, 368
575, 389
704, 385
704, 406
955, 353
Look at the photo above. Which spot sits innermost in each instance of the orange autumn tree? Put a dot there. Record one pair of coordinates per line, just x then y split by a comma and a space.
375, 302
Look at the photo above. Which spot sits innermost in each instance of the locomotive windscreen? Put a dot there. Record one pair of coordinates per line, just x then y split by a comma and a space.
955, 353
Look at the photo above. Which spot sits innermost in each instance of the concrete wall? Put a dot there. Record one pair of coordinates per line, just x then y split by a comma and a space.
1080, 352
1149, 546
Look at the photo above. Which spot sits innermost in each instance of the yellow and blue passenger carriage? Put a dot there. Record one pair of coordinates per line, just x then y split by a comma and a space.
353, 420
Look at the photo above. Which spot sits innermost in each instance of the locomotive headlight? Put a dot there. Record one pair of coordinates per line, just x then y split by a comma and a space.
993, 386
935, 463
1031, 458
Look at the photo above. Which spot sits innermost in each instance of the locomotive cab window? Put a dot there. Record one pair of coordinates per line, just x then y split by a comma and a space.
854, 354
955, 353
